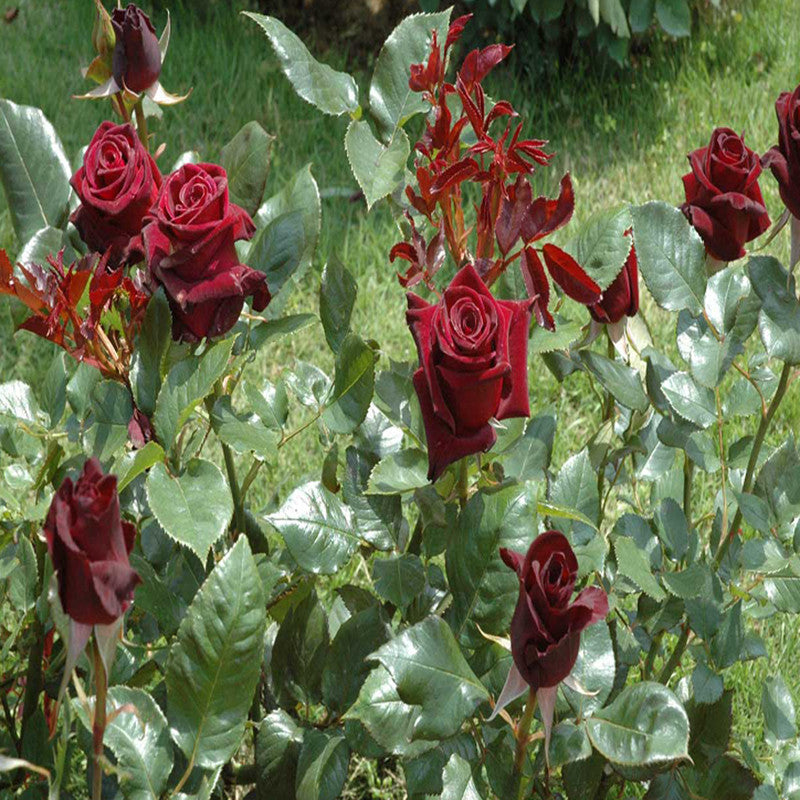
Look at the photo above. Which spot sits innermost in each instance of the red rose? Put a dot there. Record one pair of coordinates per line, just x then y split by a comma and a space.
546, 627
189, 243
136, 62
117, 185
723, 199
784, 158
89, 545
473, 366
621, 298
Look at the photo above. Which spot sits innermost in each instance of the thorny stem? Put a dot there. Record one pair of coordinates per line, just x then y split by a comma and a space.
99, 723
675, 658
230, 468
753, 461
521, 733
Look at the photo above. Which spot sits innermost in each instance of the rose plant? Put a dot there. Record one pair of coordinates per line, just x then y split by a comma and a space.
440, 597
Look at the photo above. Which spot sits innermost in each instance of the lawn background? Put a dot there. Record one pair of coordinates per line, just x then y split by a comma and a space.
623, 135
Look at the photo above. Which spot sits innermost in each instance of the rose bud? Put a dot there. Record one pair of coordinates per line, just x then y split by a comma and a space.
546, 627
784, 158
117, 185
723, 199
89, 545
189, 243
136, 63
473, 366
621, 298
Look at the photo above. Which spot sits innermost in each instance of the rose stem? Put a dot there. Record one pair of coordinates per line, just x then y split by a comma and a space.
521, 733
99, 724
608, 413
33, 675
795, 228
463, 481
238, 510
141, 124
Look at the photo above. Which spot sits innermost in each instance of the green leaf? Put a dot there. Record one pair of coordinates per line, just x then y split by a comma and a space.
148, 357
23, 580
633, 563
194, 508
783, 591
398, 579
137, 462
731, 304
567, 332
595, 670
111, 411
694, 581
140, 742
322, 766
244, 433
387, 718
529, 457
186, 385
18, 403
300, 652
640, 15
620, 380
353, 385
575, 487
779, 320
214, 665
317, 528
646, 725
484, 589
568, 742
694, 403
674, 17
671, 257
347, 663
246, 160
673, 529
272, 329
457, 780
613, 14
399, 472
601, 246
337, 296
707, 685
278, 745
391, 101
270, 403
379, 169
34, 170
430, 673
53, 393
156, 598
289, 224
778, 709
330, 91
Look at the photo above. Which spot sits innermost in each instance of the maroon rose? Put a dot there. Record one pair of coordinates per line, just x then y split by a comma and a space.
723, 199
136, 62
189, 243
117, 185
473, 366
621, 298
546, 627
784, 158
89, 545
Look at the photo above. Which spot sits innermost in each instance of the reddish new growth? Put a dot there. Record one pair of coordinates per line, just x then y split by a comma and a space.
100, 330
508, 219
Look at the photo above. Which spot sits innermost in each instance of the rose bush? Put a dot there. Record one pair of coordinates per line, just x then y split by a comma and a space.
442, 596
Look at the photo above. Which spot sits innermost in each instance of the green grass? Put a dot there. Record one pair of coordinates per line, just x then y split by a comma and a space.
623, 136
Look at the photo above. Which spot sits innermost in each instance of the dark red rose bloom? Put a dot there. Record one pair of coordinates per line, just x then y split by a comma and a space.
784, 158
723, 199
546, 627
189, 243
621, 298
89, 544
117, 185
473, 366
136, 62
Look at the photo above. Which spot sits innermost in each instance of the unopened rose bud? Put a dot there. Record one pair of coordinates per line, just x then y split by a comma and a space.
137, 58
103, 36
